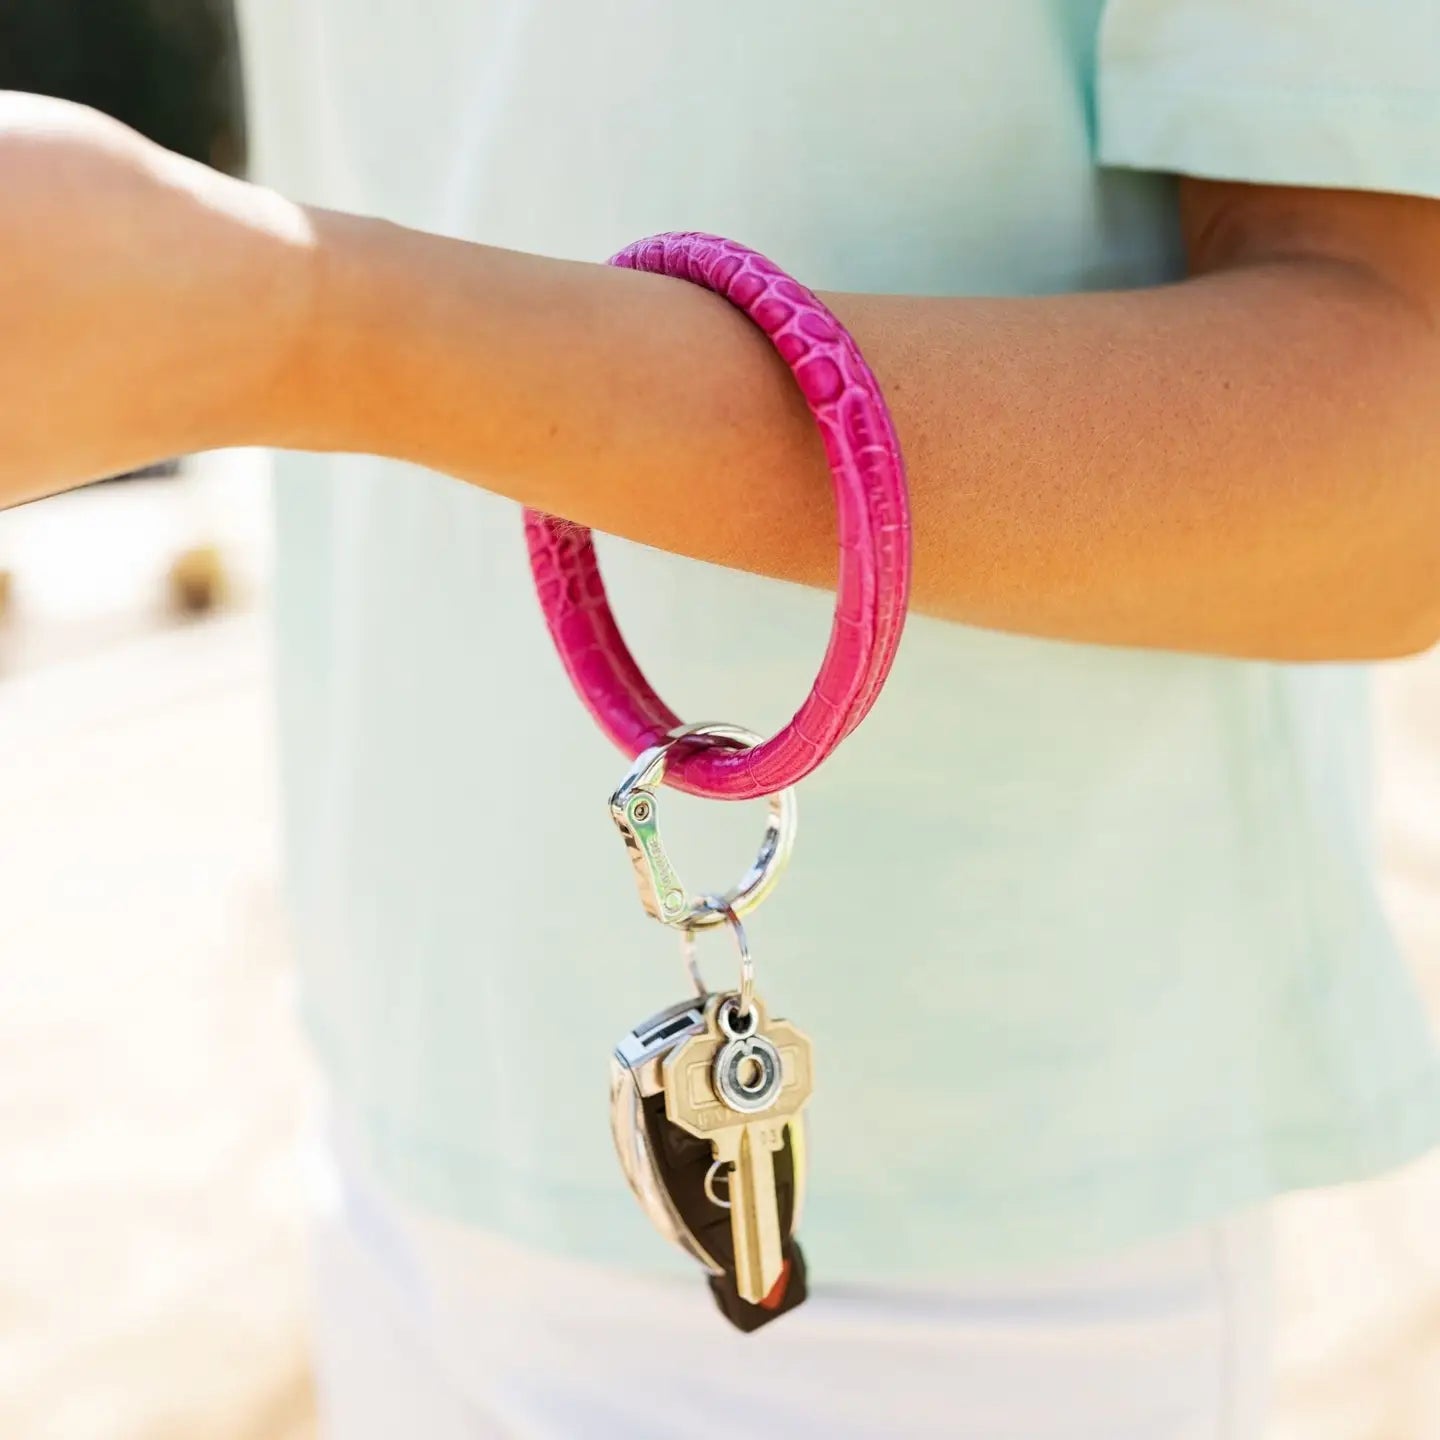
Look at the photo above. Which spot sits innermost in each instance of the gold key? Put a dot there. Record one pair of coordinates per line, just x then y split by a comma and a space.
739, 1083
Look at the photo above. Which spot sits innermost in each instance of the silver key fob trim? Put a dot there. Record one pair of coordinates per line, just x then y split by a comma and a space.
636, 1071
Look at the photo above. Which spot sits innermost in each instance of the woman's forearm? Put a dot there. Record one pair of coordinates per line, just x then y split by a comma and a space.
1243, 463
1247, 462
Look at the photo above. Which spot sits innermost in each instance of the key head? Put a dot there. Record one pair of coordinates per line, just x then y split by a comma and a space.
726, 1059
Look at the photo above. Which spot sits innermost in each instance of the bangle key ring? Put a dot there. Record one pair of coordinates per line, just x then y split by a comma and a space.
867, 475
713, 1088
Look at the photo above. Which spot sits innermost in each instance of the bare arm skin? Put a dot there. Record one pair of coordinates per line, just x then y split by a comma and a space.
1244, 463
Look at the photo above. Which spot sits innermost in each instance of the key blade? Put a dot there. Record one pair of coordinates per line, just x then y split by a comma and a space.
755, 1209
745, 1141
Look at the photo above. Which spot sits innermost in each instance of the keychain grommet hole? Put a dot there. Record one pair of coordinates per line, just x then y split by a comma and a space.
735, 1024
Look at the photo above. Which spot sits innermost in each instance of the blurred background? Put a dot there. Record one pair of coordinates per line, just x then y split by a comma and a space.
153, 1089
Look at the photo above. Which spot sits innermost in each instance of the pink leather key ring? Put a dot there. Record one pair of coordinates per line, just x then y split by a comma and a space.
874, 537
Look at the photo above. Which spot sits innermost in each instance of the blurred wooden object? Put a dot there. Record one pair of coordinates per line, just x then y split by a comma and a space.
197, 580
109, 563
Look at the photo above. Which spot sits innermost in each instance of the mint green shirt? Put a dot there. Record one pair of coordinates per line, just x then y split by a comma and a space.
1087, 939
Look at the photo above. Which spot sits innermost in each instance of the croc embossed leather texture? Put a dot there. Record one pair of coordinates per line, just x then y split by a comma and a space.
874, 533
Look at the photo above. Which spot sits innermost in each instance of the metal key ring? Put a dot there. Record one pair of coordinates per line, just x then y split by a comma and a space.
633, 808
724, 913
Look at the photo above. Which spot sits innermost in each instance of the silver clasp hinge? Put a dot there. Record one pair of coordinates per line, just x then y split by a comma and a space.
634, 809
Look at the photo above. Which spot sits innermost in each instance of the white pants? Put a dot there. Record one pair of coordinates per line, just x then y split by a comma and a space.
427, 1330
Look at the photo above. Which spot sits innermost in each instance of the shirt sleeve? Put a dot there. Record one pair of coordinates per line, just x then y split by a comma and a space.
1332, 93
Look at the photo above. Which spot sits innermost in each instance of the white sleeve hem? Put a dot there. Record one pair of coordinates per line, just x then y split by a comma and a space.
1345, 139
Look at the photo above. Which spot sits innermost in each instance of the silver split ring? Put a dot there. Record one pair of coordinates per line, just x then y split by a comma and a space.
745, 994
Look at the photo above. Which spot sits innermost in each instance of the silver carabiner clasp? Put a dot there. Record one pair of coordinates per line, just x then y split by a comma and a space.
633, 808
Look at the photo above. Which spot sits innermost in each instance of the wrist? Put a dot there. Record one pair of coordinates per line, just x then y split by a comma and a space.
340, 384
277, 314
